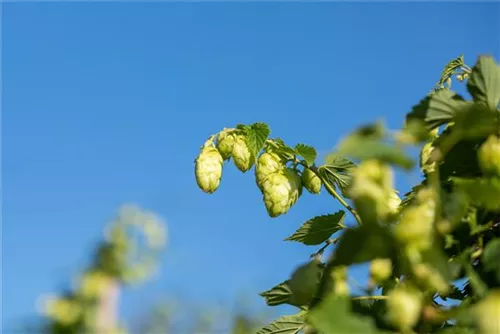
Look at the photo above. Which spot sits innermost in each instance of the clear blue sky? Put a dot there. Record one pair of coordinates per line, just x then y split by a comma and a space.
108, 103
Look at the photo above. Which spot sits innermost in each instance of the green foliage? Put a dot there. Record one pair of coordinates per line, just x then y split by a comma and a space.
318, 229
445, 229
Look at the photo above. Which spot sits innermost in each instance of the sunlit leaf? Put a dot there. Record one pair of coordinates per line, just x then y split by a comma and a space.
484, 82
289, 324
318, 229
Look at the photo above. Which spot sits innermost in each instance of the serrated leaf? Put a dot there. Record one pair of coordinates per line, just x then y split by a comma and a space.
318, 229
364, 148
484, 82
334, 316
289, 324
491, 256
362, 244
484, 192
277, 295
337, 171
280, 148
307, 152
437, 109
256, 135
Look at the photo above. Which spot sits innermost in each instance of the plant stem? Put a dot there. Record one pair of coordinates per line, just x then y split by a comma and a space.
332, 192
370, 298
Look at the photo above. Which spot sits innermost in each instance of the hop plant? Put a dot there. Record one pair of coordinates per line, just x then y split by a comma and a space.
311, 181
487, 313
225, 143
281, 190
304, 282
404, 305
267, 163
208, 168
489, 156
243, 158
380, 269
425, 154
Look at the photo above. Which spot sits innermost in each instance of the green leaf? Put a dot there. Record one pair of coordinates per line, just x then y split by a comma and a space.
318, 229
337, 171
333, 316
307, 152
279, 147
279, 294
475, 120
491, 256
437, 109
484, 82
256, 136
289, 324
366, 147
362, 244
484, 192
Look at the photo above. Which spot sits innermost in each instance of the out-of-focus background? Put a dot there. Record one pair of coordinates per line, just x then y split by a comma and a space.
108, 103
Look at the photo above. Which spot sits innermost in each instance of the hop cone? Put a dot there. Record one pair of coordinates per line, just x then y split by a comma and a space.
311, 181
242, 157
281, 191
208, 169
225, 143
489, 156
267, 164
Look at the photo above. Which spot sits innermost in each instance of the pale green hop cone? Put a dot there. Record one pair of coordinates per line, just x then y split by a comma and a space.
281, 190
208, 169
311, 181
489, 156
242, 157
267, 164
225, 143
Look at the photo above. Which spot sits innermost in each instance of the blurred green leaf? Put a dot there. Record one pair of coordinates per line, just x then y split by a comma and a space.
307, 152
484, 192
475, 120
290, 324
362, 244
334, 316
365, 147
318, 229
491, 258
484, 82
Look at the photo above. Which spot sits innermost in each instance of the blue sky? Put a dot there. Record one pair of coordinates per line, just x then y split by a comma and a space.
108, 103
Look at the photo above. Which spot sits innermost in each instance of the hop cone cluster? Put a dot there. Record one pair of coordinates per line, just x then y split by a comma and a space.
208, 168
281, 190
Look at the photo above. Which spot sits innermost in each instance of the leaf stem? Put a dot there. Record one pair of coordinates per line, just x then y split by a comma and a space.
370, 297
332, 192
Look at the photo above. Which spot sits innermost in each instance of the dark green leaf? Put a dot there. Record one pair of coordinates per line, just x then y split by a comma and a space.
362, 244
484, 82
256, 136
491, 258
318, 229
290, 324
333, 316
307, 152
363, 148
484, 192
475, 120
280, 294
437, 109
